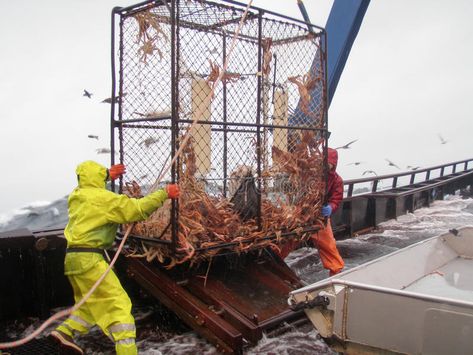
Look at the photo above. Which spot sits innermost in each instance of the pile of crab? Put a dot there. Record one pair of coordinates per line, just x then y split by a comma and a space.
209, 225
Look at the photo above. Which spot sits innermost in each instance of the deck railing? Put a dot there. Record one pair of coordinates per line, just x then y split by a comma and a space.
396, 181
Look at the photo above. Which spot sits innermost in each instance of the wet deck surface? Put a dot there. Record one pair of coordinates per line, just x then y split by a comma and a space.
42, 346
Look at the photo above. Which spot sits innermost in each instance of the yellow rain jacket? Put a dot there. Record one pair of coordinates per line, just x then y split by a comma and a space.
94, 216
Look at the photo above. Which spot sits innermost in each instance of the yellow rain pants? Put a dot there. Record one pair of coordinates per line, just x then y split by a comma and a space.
109, 306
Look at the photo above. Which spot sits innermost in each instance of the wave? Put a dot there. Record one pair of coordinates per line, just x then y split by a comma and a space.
36, 215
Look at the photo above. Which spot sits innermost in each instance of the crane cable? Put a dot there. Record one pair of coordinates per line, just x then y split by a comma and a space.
200, 111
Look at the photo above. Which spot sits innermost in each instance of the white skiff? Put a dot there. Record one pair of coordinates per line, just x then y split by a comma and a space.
418, 300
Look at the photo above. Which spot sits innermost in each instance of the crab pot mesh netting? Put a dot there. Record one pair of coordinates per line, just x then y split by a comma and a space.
252, 171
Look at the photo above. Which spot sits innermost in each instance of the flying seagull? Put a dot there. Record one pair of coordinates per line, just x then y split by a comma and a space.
115, 100
369, 172
390, 163
149, 141
88, 94
347, 146
103, 151
93, 136
356, 163
412, 167
442, 141
212, 50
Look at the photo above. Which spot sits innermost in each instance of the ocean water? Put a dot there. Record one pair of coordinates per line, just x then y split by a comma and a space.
160, 332
37, 215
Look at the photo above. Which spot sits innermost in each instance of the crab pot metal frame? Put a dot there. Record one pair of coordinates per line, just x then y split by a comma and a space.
164, 57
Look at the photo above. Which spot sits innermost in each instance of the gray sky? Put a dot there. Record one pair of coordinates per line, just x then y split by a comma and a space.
409, 78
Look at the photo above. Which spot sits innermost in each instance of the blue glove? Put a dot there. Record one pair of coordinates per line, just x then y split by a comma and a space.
326, 211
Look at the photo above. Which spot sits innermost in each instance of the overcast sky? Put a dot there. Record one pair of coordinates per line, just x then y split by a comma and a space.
409, 77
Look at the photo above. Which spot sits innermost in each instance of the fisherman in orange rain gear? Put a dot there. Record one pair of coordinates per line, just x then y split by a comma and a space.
94, 216
324, 239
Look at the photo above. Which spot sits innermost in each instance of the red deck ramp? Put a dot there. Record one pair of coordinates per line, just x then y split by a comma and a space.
229, 305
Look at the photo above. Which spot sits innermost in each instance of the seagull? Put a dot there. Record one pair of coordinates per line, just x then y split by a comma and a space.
138, 113
212, 50
88, 94
149, 141
412, 167
369, 172
115, 100
347, 146
103, 151
356, 163
442, 141
390, 163
154, 114
93, 136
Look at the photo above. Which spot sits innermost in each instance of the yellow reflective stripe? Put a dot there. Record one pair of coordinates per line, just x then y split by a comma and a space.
80, 321
121, 328
127, 341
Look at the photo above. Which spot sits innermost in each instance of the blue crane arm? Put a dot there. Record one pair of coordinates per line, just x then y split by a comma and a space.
342, 28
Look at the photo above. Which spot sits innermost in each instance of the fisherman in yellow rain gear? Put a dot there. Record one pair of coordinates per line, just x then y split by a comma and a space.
94, 216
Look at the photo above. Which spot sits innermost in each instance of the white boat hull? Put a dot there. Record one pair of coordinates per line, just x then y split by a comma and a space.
418, 300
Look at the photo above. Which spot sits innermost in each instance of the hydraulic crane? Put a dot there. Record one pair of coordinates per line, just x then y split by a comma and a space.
342, 27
